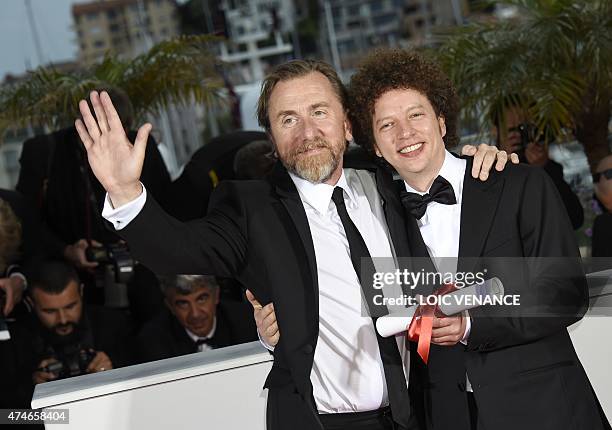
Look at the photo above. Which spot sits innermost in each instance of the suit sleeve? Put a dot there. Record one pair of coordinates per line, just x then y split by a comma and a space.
213, 245
556, 292
602, 236
155, 175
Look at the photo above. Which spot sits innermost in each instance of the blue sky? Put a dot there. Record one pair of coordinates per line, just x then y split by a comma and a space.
53, 20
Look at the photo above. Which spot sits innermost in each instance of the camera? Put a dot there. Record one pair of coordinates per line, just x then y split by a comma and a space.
72, 360
117, 255
530, 133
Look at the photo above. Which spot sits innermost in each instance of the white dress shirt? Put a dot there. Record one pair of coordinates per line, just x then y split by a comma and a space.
347, 373
441, 225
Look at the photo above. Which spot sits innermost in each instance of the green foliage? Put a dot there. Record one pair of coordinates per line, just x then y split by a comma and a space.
180, 70
557, 54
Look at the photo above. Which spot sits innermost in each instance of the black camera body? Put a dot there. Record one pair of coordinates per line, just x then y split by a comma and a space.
530, 133
71, 361
117, 255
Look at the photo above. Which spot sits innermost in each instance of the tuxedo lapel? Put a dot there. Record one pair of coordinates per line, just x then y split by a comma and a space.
290, 199
407, 240
479, 205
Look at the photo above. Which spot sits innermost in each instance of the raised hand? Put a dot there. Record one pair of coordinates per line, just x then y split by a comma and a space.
113, 159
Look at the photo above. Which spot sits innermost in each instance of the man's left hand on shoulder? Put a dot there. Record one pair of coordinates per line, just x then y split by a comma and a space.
484, 158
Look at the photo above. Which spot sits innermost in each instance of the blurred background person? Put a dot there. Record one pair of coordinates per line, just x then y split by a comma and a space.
255, 160
212, 163
515, 132
194, 319
602, 226
12, 281
55, 176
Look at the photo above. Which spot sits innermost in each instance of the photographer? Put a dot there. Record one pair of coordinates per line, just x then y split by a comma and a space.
515, 133
194, 320
55, 176
64, 337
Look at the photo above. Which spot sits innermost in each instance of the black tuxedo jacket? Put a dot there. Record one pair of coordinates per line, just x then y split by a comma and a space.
163, 336
524, 371
257, 232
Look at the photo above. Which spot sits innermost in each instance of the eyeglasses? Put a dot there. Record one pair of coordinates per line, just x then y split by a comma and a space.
597, 176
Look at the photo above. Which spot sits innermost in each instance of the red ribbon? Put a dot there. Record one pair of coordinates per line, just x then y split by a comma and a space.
420, 329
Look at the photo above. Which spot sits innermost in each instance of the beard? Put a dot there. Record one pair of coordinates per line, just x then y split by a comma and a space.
54, 338
315, 168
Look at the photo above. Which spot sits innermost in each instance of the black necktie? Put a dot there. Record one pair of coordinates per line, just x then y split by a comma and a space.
392, 361
441, 191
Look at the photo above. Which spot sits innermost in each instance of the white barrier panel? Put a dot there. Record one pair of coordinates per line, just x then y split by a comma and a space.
222, 389
591, 338
219, 389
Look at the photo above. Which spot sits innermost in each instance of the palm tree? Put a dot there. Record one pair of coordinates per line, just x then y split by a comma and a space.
179, 70
556, 54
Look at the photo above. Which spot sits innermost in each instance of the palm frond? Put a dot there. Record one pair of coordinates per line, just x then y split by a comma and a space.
175, 71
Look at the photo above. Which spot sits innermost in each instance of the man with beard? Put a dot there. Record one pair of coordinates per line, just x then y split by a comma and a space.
291, 240
64, 337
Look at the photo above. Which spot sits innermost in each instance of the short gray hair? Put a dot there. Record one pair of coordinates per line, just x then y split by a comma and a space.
186, 284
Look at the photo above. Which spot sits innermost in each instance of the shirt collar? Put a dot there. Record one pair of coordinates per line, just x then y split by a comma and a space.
318, 196
453, 170
210, 334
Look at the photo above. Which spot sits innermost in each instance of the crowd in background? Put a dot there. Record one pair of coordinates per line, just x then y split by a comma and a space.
74, 300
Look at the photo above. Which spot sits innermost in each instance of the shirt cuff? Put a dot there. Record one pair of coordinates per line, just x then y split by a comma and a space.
123, 215
468, 328
268, 347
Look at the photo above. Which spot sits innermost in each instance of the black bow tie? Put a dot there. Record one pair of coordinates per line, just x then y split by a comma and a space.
441, 191
203, 341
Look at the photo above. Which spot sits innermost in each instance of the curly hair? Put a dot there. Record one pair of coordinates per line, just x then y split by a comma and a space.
10, 235
391, 69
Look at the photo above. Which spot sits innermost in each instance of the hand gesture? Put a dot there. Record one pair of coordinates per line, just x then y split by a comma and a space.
113, 159
265, 319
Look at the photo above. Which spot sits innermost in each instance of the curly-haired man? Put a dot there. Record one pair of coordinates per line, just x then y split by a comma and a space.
493, 368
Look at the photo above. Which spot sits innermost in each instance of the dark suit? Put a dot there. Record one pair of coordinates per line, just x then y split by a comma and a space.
602, 235
51, 179
568, 196
107, 330
164, 337
258, 233
524, 371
